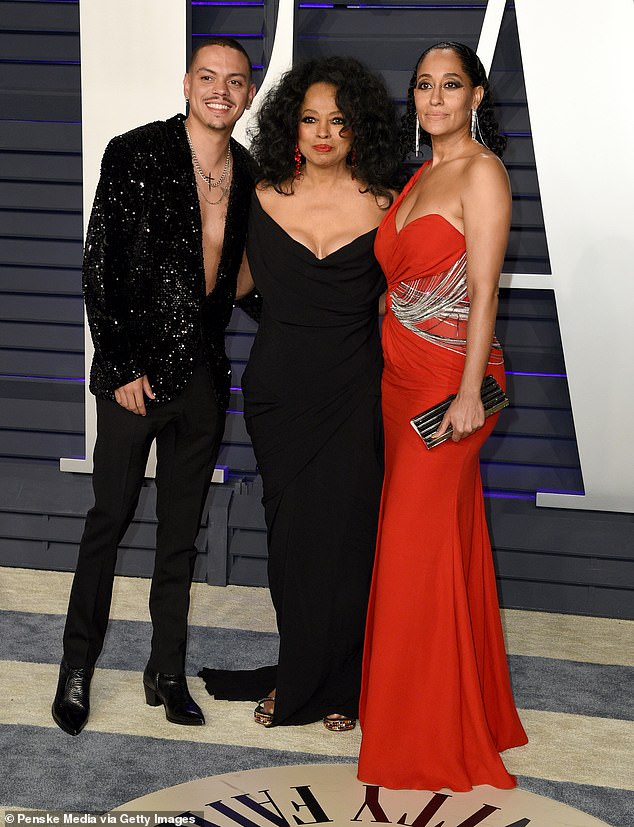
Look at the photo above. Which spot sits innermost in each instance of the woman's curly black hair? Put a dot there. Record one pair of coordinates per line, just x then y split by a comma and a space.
368, 112
487, 122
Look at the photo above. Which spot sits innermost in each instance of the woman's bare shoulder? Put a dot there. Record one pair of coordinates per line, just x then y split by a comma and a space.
486, 193
485, 168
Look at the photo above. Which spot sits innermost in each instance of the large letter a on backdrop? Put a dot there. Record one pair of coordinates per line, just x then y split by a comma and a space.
576, 57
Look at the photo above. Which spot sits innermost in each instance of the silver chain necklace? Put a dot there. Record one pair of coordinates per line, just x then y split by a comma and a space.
223, 194
208, 179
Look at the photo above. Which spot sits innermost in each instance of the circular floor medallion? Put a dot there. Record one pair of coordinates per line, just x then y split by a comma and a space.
331, 794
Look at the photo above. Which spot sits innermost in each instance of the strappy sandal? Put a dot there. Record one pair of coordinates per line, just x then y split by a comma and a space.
262, 717
342, 724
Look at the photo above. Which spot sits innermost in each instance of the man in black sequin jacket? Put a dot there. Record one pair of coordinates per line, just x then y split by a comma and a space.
160, 272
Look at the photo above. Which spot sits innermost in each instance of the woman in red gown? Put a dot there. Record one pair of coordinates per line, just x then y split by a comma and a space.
436, 704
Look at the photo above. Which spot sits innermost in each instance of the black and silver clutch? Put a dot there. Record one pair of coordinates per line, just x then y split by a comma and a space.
427, 422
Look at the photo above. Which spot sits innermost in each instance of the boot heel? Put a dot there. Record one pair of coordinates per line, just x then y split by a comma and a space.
151, 698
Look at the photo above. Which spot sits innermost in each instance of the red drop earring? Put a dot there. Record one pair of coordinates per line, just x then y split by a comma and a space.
298, 161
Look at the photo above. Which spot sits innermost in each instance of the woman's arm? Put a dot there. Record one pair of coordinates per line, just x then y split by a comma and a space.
247, 298
245, 279
486, 203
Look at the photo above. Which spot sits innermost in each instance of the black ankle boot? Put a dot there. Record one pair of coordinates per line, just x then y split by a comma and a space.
172, 692
71, 706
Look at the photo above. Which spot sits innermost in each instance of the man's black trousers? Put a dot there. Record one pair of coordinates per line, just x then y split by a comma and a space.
188, 431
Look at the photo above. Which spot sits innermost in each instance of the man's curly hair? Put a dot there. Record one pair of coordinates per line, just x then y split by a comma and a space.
487, 122
367, 110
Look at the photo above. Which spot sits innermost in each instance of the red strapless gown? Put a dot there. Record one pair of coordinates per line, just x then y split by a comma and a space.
436, 703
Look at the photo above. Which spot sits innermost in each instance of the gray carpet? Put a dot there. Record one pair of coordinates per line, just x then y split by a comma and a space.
538, 683
43, 768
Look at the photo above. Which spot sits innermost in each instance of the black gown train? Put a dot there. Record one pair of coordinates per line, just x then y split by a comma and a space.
312, 409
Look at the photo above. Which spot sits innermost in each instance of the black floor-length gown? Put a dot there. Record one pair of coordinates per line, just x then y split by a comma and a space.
312, 408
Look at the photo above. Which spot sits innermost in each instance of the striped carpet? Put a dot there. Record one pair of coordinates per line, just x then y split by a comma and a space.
572, 678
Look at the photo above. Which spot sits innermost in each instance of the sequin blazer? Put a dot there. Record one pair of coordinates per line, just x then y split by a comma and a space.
143, 271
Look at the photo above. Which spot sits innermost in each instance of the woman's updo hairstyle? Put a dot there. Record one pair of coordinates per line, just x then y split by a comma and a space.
487, 122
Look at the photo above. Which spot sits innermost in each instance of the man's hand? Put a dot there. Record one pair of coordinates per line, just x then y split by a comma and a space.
131, 396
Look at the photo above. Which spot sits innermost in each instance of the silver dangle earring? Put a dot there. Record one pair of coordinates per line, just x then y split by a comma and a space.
416, 135
476, 133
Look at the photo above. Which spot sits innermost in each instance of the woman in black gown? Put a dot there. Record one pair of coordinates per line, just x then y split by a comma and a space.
329, 166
